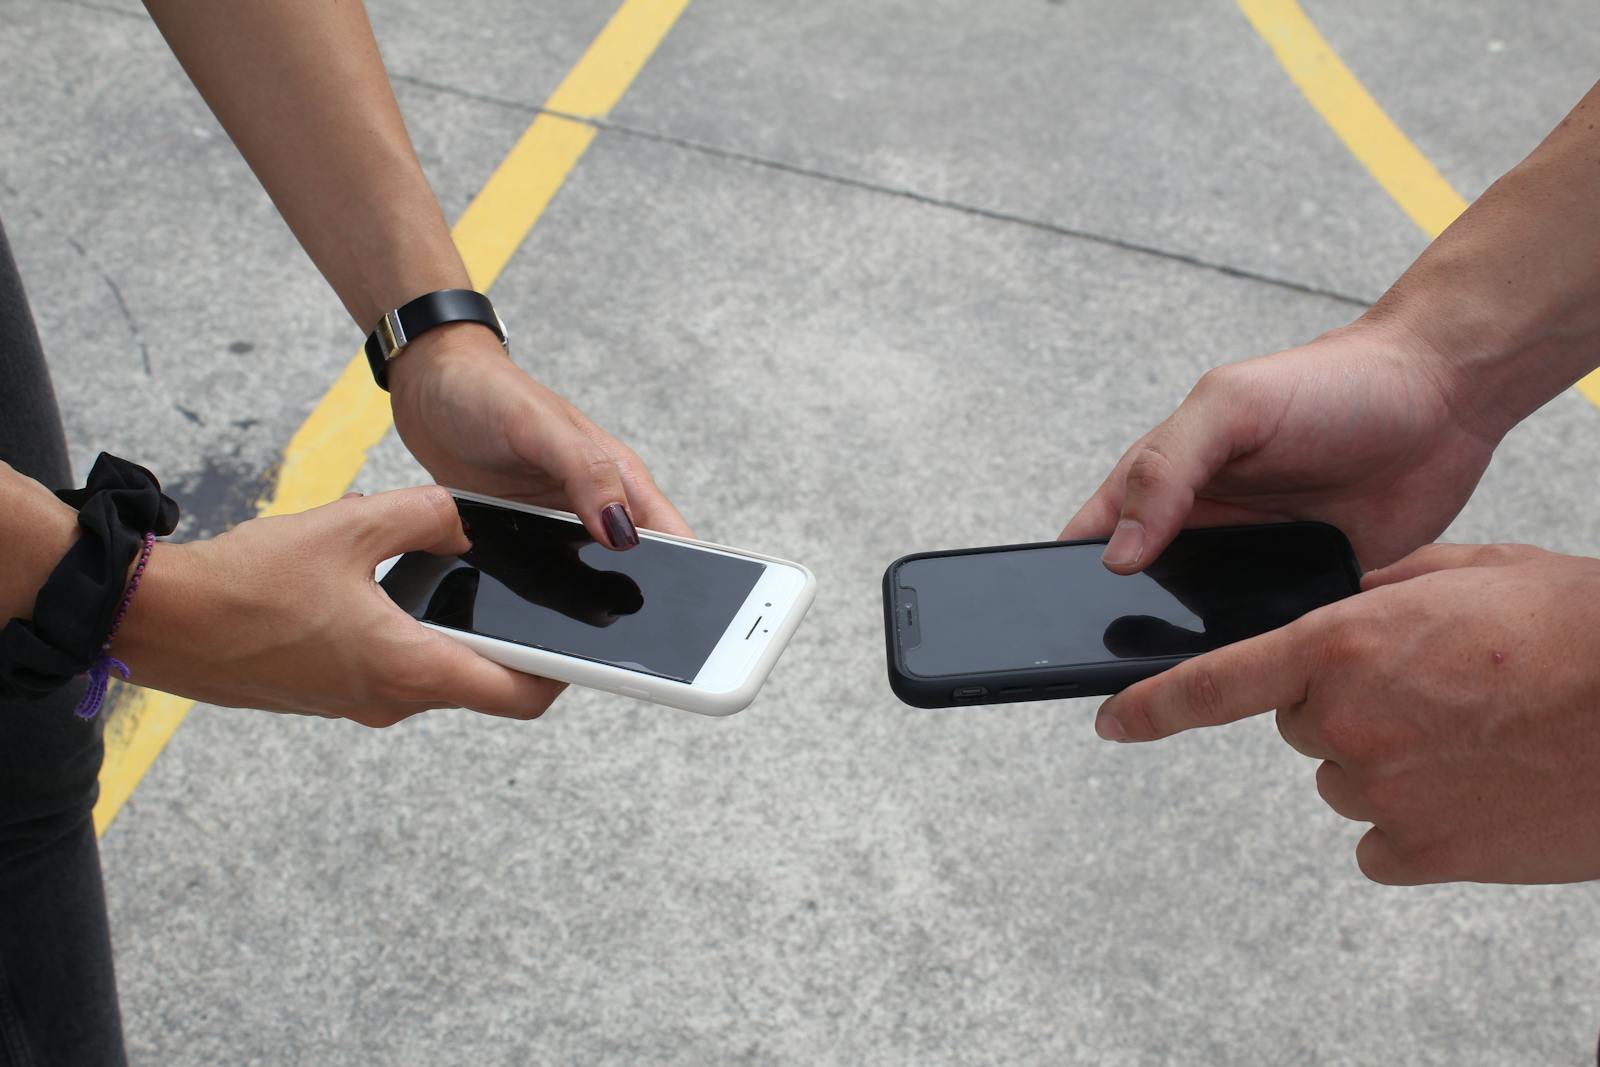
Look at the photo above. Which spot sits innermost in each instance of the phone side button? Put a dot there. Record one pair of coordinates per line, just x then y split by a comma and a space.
629, 691
968, 692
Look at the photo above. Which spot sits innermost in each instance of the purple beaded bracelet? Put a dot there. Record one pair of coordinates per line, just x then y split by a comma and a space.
100, 671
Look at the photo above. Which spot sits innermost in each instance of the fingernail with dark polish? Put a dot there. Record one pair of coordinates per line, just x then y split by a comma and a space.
619, 528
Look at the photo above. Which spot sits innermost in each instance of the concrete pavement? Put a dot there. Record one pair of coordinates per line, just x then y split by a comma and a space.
851, 279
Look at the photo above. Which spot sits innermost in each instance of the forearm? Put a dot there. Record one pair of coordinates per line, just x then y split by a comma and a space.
37, 529
1509, 295
300, 87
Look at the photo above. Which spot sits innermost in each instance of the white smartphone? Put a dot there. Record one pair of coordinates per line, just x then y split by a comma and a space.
678, 622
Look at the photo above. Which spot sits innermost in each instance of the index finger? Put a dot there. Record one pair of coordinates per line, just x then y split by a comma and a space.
650, 505
1232, 683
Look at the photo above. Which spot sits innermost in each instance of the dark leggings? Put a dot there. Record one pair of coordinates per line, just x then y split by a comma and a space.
58, 995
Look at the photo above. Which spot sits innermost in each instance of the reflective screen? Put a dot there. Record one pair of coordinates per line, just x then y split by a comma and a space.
1057, 604
659, 608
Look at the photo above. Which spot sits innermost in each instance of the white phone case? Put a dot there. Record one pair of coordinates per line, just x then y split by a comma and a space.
636, 684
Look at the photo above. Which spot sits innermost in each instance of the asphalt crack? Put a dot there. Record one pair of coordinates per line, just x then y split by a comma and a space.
903, 193
122, 304
735, 155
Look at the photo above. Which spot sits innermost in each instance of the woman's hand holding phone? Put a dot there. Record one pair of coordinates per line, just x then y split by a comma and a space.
478, 422
282, 614
1361, 428
1452, 703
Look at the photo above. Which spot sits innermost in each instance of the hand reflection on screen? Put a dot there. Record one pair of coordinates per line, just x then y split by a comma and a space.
1209, 593
540, 563
1146, 637
455, 598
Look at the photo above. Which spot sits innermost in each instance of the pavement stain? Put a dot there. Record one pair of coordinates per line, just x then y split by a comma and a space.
219, 496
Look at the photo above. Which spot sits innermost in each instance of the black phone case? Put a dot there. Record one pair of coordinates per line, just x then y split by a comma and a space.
1046, 683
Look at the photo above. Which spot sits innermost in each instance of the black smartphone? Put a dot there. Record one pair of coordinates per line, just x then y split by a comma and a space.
1042, 621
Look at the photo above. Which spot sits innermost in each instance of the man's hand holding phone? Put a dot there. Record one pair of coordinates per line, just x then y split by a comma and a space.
1363, 428
1453, 704
1453, 701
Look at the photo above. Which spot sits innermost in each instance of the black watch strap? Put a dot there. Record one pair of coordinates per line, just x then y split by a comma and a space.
399, 327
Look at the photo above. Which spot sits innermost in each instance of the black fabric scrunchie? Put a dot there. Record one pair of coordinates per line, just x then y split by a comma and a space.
73, 612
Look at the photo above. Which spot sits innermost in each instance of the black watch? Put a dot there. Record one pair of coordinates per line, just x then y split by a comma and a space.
404, 324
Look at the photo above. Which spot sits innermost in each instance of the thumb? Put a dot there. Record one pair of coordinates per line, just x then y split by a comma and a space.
423, 519
1155, 483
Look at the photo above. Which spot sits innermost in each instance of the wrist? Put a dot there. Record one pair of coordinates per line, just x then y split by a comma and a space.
77, 608
412, 272
1451, 386
1495, 365
46, 530
401, 326
451, 343
1509, 296
156, 636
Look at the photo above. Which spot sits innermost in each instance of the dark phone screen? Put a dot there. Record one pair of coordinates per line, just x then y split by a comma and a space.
1057, 605
659, 607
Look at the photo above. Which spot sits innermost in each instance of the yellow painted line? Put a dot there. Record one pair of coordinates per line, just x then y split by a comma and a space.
142, 722
595, 85
1413, 182
492, 227
1590, 387
330, 448
1344, 103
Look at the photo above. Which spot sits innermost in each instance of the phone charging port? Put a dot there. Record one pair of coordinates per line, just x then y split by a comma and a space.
970, 692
